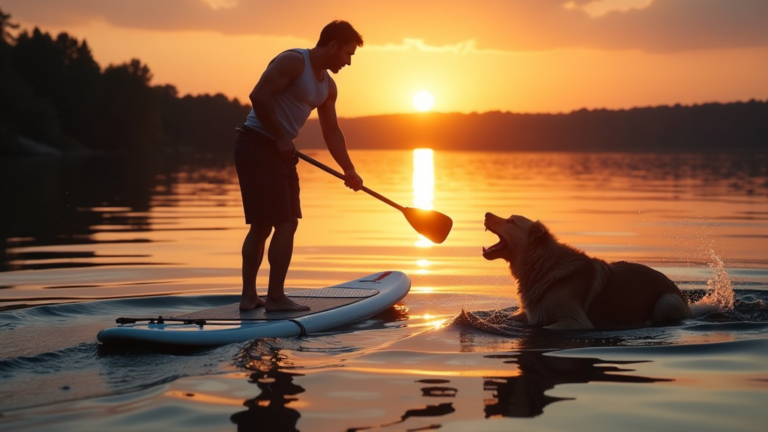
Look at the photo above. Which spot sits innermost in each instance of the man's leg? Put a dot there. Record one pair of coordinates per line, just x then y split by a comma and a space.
280, 253
253, 254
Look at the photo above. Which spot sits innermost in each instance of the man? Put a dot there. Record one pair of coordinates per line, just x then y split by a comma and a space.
294, 83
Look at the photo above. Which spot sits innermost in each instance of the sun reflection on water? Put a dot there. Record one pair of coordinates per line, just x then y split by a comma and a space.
423, 184
422, 290
423, 178
429, 320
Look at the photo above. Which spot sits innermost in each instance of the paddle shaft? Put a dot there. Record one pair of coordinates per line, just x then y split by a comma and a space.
332, 171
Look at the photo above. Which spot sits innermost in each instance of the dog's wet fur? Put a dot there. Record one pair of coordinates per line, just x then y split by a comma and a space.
561, 288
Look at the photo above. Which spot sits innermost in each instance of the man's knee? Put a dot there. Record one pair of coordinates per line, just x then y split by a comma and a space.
287, 227
260, 232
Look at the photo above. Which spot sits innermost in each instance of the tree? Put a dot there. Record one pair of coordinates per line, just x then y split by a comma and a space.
22, 111
204, 123
77, 100
6, 38
130, 116
63, 72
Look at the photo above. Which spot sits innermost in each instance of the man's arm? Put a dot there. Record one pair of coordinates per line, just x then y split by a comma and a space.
285, 68
334, 138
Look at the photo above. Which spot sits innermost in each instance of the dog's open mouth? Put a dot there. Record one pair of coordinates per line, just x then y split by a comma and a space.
498, 247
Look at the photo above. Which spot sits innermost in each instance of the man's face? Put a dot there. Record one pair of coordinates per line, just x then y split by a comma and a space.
342, 55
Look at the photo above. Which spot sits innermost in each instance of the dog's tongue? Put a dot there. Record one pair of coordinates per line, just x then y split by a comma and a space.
492, 248
499, 246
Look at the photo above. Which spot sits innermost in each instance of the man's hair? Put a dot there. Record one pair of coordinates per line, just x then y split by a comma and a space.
340, 31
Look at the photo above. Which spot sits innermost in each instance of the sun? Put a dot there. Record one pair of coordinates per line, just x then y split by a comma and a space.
423, 101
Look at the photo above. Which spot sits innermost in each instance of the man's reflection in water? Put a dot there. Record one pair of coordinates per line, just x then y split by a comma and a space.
268, 410
523, 395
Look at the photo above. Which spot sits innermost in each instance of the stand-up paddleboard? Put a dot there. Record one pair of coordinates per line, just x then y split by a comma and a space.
329, 307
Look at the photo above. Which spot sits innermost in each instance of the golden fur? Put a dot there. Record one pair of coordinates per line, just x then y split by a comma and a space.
562, 288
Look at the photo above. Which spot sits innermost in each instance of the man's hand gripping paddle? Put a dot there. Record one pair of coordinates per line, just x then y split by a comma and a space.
431, 224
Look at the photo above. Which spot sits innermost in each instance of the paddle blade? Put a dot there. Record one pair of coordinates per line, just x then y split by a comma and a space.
431, 224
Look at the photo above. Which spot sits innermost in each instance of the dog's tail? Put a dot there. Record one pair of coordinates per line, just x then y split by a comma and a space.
669, 307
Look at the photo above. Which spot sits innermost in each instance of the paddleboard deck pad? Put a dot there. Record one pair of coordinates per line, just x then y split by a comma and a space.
329, 307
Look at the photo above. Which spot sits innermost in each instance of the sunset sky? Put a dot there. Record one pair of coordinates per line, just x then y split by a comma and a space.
471, 56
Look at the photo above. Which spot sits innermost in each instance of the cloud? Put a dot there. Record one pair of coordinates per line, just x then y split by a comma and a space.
220, 4
512, 25
466, 47
598, 8
459, 48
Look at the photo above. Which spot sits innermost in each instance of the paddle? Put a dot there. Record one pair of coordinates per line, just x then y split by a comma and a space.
431, 224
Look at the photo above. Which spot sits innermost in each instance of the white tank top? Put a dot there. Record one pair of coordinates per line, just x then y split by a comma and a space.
294, 104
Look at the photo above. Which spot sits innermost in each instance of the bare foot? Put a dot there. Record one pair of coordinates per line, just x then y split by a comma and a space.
283, 304
251, 301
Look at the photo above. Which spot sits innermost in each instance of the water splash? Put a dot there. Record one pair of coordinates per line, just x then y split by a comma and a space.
719, 297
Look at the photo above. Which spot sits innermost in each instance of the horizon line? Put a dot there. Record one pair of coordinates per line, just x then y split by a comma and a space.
675, 105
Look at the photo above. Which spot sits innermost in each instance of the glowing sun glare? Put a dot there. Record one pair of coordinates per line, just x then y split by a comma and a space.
423, 101
423, 184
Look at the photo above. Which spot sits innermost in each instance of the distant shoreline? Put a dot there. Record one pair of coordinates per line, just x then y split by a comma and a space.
712, 127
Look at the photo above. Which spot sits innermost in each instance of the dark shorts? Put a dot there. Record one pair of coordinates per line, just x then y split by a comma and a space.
269, 184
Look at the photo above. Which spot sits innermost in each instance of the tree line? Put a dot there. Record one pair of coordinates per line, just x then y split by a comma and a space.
52, 91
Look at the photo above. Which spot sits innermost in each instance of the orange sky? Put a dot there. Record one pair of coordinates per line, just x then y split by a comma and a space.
473, 56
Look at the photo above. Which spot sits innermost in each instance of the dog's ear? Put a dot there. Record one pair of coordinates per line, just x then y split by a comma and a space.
537, 232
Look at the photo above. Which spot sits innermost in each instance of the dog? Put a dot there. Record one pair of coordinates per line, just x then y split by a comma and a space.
561, 288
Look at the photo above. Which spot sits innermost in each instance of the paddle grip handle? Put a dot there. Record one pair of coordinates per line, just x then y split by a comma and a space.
333, 172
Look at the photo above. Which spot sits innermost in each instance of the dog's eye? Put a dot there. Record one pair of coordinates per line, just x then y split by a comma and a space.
512, 221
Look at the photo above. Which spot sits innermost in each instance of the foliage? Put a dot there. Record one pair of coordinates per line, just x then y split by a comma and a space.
203, 123
53, 91
5, 24
63, 73
129, 118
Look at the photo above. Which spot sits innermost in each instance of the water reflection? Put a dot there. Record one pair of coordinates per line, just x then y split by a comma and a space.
89, 201
423, 185
428, 411
269, 411
521, 393
93, 202
437, 391
524, 395
423, 178
169, 217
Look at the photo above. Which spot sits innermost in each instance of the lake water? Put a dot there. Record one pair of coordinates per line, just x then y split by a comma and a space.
86, 240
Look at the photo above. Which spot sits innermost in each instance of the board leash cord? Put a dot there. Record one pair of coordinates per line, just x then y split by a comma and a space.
301, 326
199, 322
160, 320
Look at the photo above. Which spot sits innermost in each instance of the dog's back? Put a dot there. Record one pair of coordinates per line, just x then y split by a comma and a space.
635, 295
